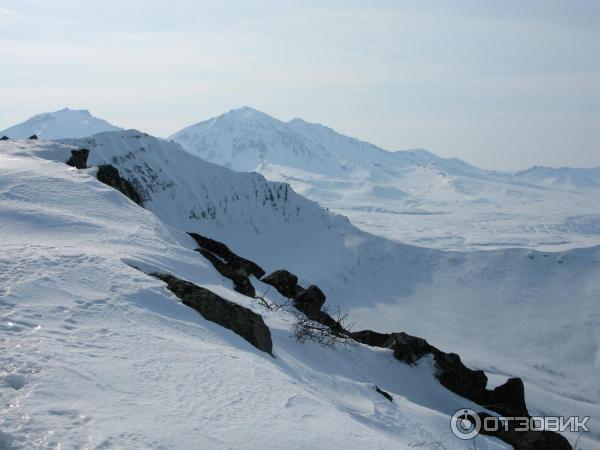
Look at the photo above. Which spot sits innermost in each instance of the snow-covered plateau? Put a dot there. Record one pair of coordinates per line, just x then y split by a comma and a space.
97, 354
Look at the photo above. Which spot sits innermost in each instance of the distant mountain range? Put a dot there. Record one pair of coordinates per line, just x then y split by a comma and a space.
411, 196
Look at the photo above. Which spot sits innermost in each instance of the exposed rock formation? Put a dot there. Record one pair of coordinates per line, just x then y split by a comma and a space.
79, 158
4, 138
241, 282
527, 440
228, 264
285, 282
222, 251
369, 337
508, 399
33, 136
310, 301
109, 175
239, 319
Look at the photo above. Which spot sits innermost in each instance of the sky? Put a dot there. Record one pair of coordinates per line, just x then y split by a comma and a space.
501, 84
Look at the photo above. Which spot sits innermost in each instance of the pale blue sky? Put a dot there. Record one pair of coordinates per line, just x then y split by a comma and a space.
501, 84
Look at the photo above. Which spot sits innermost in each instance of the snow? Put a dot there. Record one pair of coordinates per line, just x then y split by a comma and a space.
95, 354
411, 196
511, 312
66, 123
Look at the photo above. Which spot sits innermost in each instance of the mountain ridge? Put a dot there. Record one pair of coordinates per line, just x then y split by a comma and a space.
409, 195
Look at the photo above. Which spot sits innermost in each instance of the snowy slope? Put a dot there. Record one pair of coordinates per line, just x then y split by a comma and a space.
410, 196
95, 354
561, 177
533, 314
66, 123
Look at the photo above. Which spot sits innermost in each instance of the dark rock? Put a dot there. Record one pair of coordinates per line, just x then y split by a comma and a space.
239, 319
457, 377
239, 276
310, 301
285, 282
325, 319
525, 440
372, 338
33, 136
222, 251
407, 348
385, 394
109, 175
79, 158
4, 138
508, 399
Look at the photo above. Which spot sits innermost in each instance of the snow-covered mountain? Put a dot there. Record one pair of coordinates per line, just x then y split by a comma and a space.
410, 196
95, 354
245, 138
66, 123
512, 300
561, 177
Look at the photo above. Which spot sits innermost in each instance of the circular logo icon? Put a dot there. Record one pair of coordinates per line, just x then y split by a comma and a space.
465, 424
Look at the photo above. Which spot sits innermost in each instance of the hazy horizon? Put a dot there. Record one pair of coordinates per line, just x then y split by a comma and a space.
503, 86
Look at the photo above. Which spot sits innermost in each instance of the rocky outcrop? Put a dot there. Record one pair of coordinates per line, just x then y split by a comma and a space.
241, 281
228, 264
223, 252
508, 399
33, 136
369, 337
239, 319
79, 158
310, 301
285, 282
525, 440
110, 176
4, 138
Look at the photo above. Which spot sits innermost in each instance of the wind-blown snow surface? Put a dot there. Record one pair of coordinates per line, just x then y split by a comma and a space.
410, 196
66, 123
95, 354
512, 312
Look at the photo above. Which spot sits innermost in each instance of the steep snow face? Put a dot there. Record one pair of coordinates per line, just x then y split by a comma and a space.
410, 196
66, 123
190, 193
512, 312
95, 354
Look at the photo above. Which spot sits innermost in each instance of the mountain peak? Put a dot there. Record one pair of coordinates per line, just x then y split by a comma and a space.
249, 114
64, 123
84, 112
